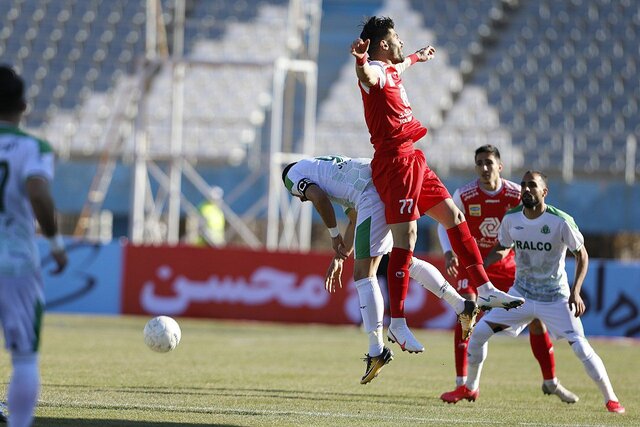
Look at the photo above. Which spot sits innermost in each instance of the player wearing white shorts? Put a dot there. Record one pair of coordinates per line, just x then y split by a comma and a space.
348, 183
26, 168
540, 234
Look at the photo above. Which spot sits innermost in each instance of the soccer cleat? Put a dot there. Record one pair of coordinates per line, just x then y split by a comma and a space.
375, 364
613, 406
467, 318
460, 393
559, 390
405, 339
495, 298
3, 412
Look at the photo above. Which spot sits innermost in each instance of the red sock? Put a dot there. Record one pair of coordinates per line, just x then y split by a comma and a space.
460, 351
542, 349
466, 248
398, 280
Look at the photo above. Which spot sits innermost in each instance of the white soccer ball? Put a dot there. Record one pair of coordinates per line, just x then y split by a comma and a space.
162, 334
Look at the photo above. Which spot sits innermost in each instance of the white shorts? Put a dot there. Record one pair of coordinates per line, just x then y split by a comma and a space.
560, 321
21, 309
373, 235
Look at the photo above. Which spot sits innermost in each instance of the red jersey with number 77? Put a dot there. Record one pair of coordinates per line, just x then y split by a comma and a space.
387, 111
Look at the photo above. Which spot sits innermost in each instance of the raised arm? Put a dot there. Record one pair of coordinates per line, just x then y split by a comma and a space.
422, 55
365, 73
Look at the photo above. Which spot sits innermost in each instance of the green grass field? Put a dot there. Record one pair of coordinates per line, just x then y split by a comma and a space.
96, 371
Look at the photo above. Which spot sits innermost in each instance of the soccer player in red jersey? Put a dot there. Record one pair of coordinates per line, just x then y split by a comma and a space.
407, 187
484, 201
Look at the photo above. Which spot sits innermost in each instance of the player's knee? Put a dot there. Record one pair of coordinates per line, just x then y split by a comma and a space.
362, 270
476, 354
476, 347
482, 332
14, 338
581, 348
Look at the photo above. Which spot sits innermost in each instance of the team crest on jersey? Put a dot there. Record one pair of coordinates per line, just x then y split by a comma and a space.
545, 229
475, 210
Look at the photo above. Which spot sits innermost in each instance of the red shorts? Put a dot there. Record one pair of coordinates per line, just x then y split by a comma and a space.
433, 191
398, 180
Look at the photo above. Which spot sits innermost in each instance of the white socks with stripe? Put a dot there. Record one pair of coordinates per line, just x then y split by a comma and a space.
432, 280
594, 367
372, 311
23, 389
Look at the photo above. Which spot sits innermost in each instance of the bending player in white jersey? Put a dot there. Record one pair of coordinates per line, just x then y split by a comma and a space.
540, 235
348, 182
26, 168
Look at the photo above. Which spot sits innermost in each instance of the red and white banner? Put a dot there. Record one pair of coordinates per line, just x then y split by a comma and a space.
254, 285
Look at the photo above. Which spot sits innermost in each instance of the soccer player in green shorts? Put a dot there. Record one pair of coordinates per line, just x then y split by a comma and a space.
26, 169
347, 182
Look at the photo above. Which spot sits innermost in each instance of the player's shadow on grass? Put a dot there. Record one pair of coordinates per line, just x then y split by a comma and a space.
76, 422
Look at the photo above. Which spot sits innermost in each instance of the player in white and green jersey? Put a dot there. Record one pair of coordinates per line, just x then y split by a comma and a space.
348, 183
540, 247
540, 235
26, 168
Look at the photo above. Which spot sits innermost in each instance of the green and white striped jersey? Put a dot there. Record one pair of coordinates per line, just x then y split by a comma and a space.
21, 156
540, 246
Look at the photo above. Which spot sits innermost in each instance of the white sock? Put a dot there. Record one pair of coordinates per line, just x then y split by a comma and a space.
477, 349
552, 383
23, 389
594, 367
398, 322
460, 381
372, 312
432, 280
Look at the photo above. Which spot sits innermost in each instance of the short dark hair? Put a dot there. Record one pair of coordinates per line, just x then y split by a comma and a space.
11, 91
542, 176
376, 28
285, 171
489, 149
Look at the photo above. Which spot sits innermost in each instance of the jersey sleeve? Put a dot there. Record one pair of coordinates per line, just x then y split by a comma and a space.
39, 159
382, 77
296, 183
571, 235
402, 67
504, 237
